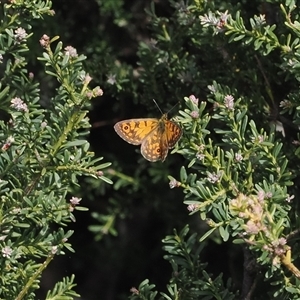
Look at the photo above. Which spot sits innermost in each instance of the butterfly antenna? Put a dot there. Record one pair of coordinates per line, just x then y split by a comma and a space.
168, 110
173, 107
158, 107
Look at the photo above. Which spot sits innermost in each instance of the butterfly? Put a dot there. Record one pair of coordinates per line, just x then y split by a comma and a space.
156, 136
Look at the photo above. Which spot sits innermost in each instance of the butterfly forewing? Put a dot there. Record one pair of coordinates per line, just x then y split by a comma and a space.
134, 131
173, 132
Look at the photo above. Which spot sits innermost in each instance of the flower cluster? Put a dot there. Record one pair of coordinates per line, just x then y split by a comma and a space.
200, 155
18, 104
73, 202
8, 143
214, 177
20, 34
45, 41
6, 251
252, 209
218, 20
71, 51
192, 207
174, 183
229, 102
194, 99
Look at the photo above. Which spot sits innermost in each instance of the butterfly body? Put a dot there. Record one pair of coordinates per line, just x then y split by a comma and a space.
156, 136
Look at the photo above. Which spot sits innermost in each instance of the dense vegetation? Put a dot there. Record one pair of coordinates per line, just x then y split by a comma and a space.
218, 219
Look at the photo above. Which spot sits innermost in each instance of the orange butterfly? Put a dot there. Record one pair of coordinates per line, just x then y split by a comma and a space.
156, 136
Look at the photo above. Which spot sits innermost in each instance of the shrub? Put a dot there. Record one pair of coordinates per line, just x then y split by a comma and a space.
240, 156
43, 152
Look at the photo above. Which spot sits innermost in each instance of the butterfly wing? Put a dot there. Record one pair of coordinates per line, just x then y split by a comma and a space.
134, 131
173, 133
156, 145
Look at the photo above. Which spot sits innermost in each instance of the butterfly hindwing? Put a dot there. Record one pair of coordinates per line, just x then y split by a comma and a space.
152, 148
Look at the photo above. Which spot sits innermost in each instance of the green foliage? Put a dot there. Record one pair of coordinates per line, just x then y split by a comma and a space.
63, 290
240, 166
237, 163
43, 152
189, 280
